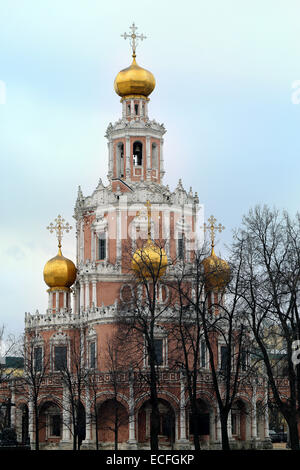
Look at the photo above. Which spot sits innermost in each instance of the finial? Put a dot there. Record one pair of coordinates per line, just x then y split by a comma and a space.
59, 227
213, 228
148, 205
79, 194
133, 37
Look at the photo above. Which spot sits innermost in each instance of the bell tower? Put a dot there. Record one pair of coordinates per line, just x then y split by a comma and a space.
135, 143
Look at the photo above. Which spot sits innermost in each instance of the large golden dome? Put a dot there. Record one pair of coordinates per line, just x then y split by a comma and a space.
149, 261
59, 272
134, 80
216, 271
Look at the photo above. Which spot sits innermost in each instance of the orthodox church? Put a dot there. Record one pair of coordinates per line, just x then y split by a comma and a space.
84, 296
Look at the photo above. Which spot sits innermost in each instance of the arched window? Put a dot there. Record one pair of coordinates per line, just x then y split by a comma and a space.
154, 156
102, 246
136, 108
137, 153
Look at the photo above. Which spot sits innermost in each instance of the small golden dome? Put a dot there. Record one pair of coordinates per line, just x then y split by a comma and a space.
59, 272
134, 80
216, 271
149, 261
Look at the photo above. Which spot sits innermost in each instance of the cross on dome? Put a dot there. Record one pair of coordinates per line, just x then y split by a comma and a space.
59, 228
133, 37
213, 228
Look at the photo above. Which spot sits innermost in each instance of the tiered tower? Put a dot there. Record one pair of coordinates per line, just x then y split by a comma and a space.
114, 216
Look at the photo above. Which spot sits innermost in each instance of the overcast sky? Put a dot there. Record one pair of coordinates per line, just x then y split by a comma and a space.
224, 74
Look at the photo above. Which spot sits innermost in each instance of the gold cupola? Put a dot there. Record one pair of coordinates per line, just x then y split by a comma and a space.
134, 81
151, 260
216, 270
59, 272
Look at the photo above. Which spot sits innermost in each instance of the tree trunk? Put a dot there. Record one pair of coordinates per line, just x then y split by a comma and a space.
116, 426
293, 432
154, 427
37, 437
195, 420
96, 430
224, 431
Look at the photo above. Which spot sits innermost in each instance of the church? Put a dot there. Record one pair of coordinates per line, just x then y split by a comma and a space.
83, 298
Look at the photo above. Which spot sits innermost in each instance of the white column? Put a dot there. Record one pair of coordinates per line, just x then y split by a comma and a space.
161, 158
182, 409
166, 228
123, 109
13, 408
118, 234
127, 169
66, 417
81, 241
81, 296
65, 299
266, 413
87, 294
74, 306
148, 156
50, 301
253, 415
219, 432
132, 108
110, 158
94, 292
146, 108
132, 438
229, 427
31, 422
141, 108
88, 417
92, 245
57, 300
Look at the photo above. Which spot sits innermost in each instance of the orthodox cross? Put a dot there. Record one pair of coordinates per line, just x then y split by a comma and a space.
59, 227
213, 228
148, 205
133, 37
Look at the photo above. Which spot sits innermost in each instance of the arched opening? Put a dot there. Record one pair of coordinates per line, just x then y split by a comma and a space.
112, 422
166, 423
137, 153
278, 428
239, 423
154, 156
202, 422
50, 423
120, 160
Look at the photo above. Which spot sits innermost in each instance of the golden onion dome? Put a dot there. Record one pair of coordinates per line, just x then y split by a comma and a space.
59, 272
134, 80
216, 271
149, 261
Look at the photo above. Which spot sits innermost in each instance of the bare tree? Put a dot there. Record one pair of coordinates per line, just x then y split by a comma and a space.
203, 315
9, 364
267, 247
36, 368
70, 362
140, 315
